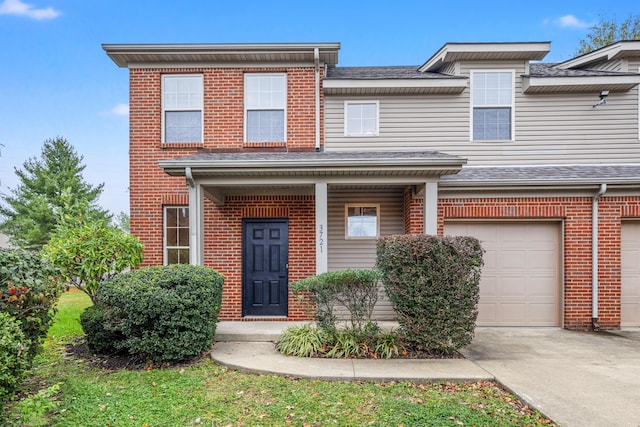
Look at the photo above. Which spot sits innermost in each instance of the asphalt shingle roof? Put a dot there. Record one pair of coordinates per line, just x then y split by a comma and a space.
376, 73
548, 70
547, 174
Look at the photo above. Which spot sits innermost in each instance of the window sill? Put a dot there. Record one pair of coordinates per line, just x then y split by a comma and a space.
492, 141
181, 145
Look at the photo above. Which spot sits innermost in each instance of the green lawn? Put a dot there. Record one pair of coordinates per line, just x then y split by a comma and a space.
206, 394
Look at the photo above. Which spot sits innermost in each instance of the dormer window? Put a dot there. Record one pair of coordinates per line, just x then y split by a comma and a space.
492, 105
182, 108
361, 118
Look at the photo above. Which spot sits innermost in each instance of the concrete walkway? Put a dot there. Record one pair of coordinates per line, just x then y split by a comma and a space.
574, 378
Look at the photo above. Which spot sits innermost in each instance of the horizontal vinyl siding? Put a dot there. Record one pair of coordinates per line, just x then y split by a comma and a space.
361, 253
549, 128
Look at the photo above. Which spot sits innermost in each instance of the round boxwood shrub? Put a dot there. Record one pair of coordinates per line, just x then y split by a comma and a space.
162, 312
99, 339
14, 357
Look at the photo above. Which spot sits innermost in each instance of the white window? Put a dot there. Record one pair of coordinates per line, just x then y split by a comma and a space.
265, 101
361, 118
182, 108
492, 105
362, 221
176, 235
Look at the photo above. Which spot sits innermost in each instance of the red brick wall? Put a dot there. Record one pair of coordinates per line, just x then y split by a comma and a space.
223, 121
223, 243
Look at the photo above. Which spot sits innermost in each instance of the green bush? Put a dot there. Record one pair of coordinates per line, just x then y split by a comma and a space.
356, 290
98, 338
14, 357
162, 312
29, 290
433, 285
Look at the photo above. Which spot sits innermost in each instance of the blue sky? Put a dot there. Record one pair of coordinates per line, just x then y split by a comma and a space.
55, 79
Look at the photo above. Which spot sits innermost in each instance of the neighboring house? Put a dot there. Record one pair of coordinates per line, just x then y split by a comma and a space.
270, 163
4, 241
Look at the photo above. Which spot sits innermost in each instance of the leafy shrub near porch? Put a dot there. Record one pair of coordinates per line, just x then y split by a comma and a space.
29, 290
14, 357
162, 312
433, 285
356, 290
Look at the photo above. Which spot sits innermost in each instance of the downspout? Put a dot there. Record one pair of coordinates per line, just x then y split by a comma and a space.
595, 256
316, 58
189, 176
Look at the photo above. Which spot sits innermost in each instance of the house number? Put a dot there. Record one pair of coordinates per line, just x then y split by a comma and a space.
321, 237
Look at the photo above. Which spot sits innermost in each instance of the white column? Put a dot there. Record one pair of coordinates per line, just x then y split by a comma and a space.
322, 263
430, 208
196, 224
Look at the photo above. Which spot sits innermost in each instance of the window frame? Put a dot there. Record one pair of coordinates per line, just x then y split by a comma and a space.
165, 246
346, 220
346, 118
512, 105
247, 109
164, 108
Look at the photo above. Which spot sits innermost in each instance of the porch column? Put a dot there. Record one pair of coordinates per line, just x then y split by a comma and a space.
322, 263
196, 223
430, 210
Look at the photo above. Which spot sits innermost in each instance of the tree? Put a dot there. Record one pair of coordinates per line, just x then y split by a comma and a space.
608, 31
90, 252
32, 209
121, 221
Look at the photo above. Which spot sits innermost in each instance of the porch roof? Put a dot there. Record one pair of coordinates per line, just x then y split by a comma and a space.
552, 175
315, 164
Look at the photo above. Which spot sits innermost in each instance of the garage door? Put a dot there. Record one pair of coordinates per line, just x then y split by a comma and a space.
630, 291
520, 283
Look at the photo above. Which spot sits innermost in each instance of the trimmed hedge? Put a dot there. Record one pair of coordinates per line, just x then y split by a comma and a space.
433, 285
163, 312
356, 290
15, 361
29, 290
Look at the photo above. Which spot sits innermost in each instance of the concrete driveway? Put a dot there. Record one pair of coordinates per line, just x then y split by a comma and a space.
575, 378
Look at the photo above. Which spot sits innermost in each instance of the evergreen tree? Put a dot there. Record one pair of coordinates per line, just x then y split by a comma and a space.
609, 31
34, 207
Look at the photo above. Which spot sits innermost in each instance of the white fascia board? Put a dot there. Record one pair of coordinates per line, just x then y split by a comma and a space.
533, 84
395, 83
607, 53
451, 52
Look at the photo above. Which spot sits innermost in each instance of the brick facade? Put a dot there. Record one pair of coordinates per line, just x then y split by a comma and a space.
223, 121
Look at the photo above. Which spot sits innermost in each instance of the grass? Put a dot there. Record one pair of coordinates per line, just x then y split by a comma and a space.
210, 395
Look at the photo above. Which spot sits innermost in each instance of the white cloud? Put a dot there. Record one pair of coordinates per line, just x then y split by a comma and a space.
570, 21
119, 110
18, 8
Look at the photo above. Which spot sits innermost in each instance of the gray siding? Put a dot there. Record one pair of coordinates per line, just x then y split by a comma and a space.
617, 65
549, 128
356, 253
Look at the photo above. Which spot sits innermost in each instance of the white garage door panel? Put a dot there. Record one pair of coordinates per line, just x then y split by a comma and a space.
521, 273
630, 291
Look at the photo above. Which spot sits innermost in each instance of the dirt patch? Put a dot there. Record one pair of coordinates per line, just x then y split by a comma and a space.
78, 349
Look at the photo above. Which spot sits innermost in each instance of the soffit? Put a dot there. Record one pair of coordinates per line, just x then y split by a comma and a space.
127, 55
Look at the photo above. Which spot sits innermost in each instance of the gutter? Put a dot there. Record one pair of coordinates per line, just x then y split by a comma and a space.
594, 257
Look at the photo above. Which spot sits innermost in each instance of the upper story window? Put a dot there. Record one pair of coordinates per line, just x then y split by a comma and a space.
265, 101
492, 105
361, 118
362, 221
182, 108
176, 235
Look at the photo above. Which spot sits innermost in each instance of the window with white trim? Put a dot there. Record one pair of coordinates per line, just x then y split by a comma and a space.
492, 105
361, 118
265, 101
176, 235
182, 108
362, 221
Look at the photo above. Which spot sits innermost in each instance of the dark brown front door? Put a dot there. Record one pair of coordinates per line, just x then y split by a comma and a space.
265, 261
